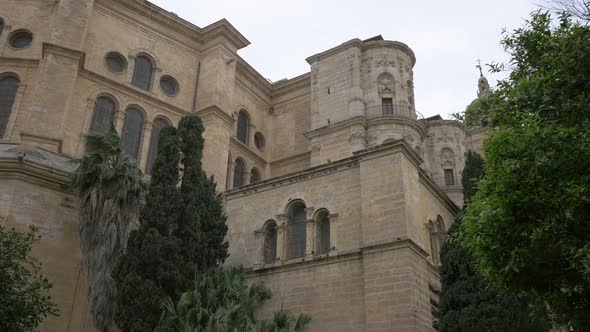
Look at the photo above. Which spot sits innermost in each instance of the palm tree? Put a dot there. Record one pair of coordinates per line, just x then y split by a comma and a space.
111, 187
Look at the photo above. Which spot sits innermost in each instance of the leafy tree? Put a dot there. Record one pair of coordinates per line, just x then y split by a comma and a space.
528, 226
221, 301
23, 289
467, 302
181, 232
152, 267
202, 205
111, 188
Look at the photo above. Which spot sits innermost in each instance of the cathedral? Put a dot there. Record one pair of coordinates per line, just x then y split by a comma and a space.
338, 192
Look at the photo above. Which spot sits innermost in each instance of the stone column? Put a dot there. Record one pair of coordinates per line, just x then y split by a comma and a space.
119, 121
333, 218
282, 237
145, 145
259, 236
310, 236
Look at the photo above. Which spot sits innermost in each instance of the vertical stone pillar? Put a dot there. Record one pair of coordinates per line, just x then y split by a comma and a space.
145, 145
259, 236
333, 218
310, 236
119, 121
282, 237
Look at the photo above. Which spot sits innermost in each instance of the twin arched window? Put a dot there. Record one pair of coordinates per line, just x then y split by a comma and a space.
270, 242
142, 73
8, 89
103, 114
243, 127
132, 132
324, 233
159, 124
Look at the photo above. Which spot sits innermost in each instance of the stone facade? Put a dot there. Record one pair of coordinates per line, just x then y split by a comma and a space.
344, 191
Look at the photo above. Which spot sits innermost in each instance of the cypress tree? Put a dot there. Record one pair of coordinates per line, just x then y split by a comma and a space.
152, 267
203, 215
467, 301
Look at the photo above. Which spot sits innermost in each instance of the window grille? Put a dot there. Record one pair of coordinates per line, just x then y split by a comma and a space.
8, 89
239, 169
132, 130
270, 243
449, 178
387, 106
159, 124
142, 74
103, 114
243, 124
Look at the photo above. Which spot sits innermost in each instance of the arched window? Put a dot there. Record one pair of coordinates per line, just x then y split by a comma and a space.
103, 114
270, 242
243, 127
297, 230
132, 129
1, 26
159, 124
142, 74
254, 175
8, 89
239, 169
324, 233
437, 237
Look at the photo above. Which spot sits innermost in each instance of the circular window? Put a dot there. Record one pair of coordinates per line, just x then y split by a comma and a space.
169, 85
21, 39
259, 140
115, 62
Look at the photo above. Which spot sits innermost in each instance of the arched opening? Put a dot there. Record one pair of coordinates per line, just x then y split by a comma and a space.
297, 230
270, 242
243, 127
239, 169
254, 175
103, 114
8, 90
143, 71
437, 234
132, 131
323, 220
159, 124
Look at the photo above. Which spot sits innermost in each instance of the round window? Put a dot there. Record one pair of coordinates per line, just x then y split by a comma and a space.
21, 39
169, 85
115, 62
259, 140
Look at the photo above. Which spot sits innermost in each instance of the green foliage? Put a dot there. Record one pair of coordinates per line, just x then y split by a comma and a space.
23, 289
467, 302
528, 226
152, 267
111, 189
221, 301
182, 230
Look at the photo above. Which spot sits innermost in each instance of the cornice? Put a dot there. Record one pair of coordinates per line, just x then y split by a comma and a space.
216, 112
331, 128
77, 55
394, 119
19, 62
246, 151
346, 45
253, 76
301, 82
391, 44
291, 158
438, 192
440, 123
226, 30
134, 92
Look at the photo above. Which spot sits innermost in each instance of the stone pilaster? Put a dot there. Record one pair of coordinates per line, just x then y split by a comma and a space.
282, 237
145, 145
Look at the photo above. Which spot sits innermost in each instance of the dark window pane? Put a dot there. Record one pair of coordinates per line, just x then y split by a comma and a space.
387, 105
270, 243
169, 85
449, 178
243, 127
142, 74
259, 140
297, 232
324, 235
159, 124
239, 170
132, 128
103, 114
1, 26
115, 62
21, 39
254, 176
8, 89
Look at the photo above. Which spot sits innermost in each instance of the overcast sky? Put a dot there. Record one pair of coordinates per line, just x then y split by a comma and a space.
447, 36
